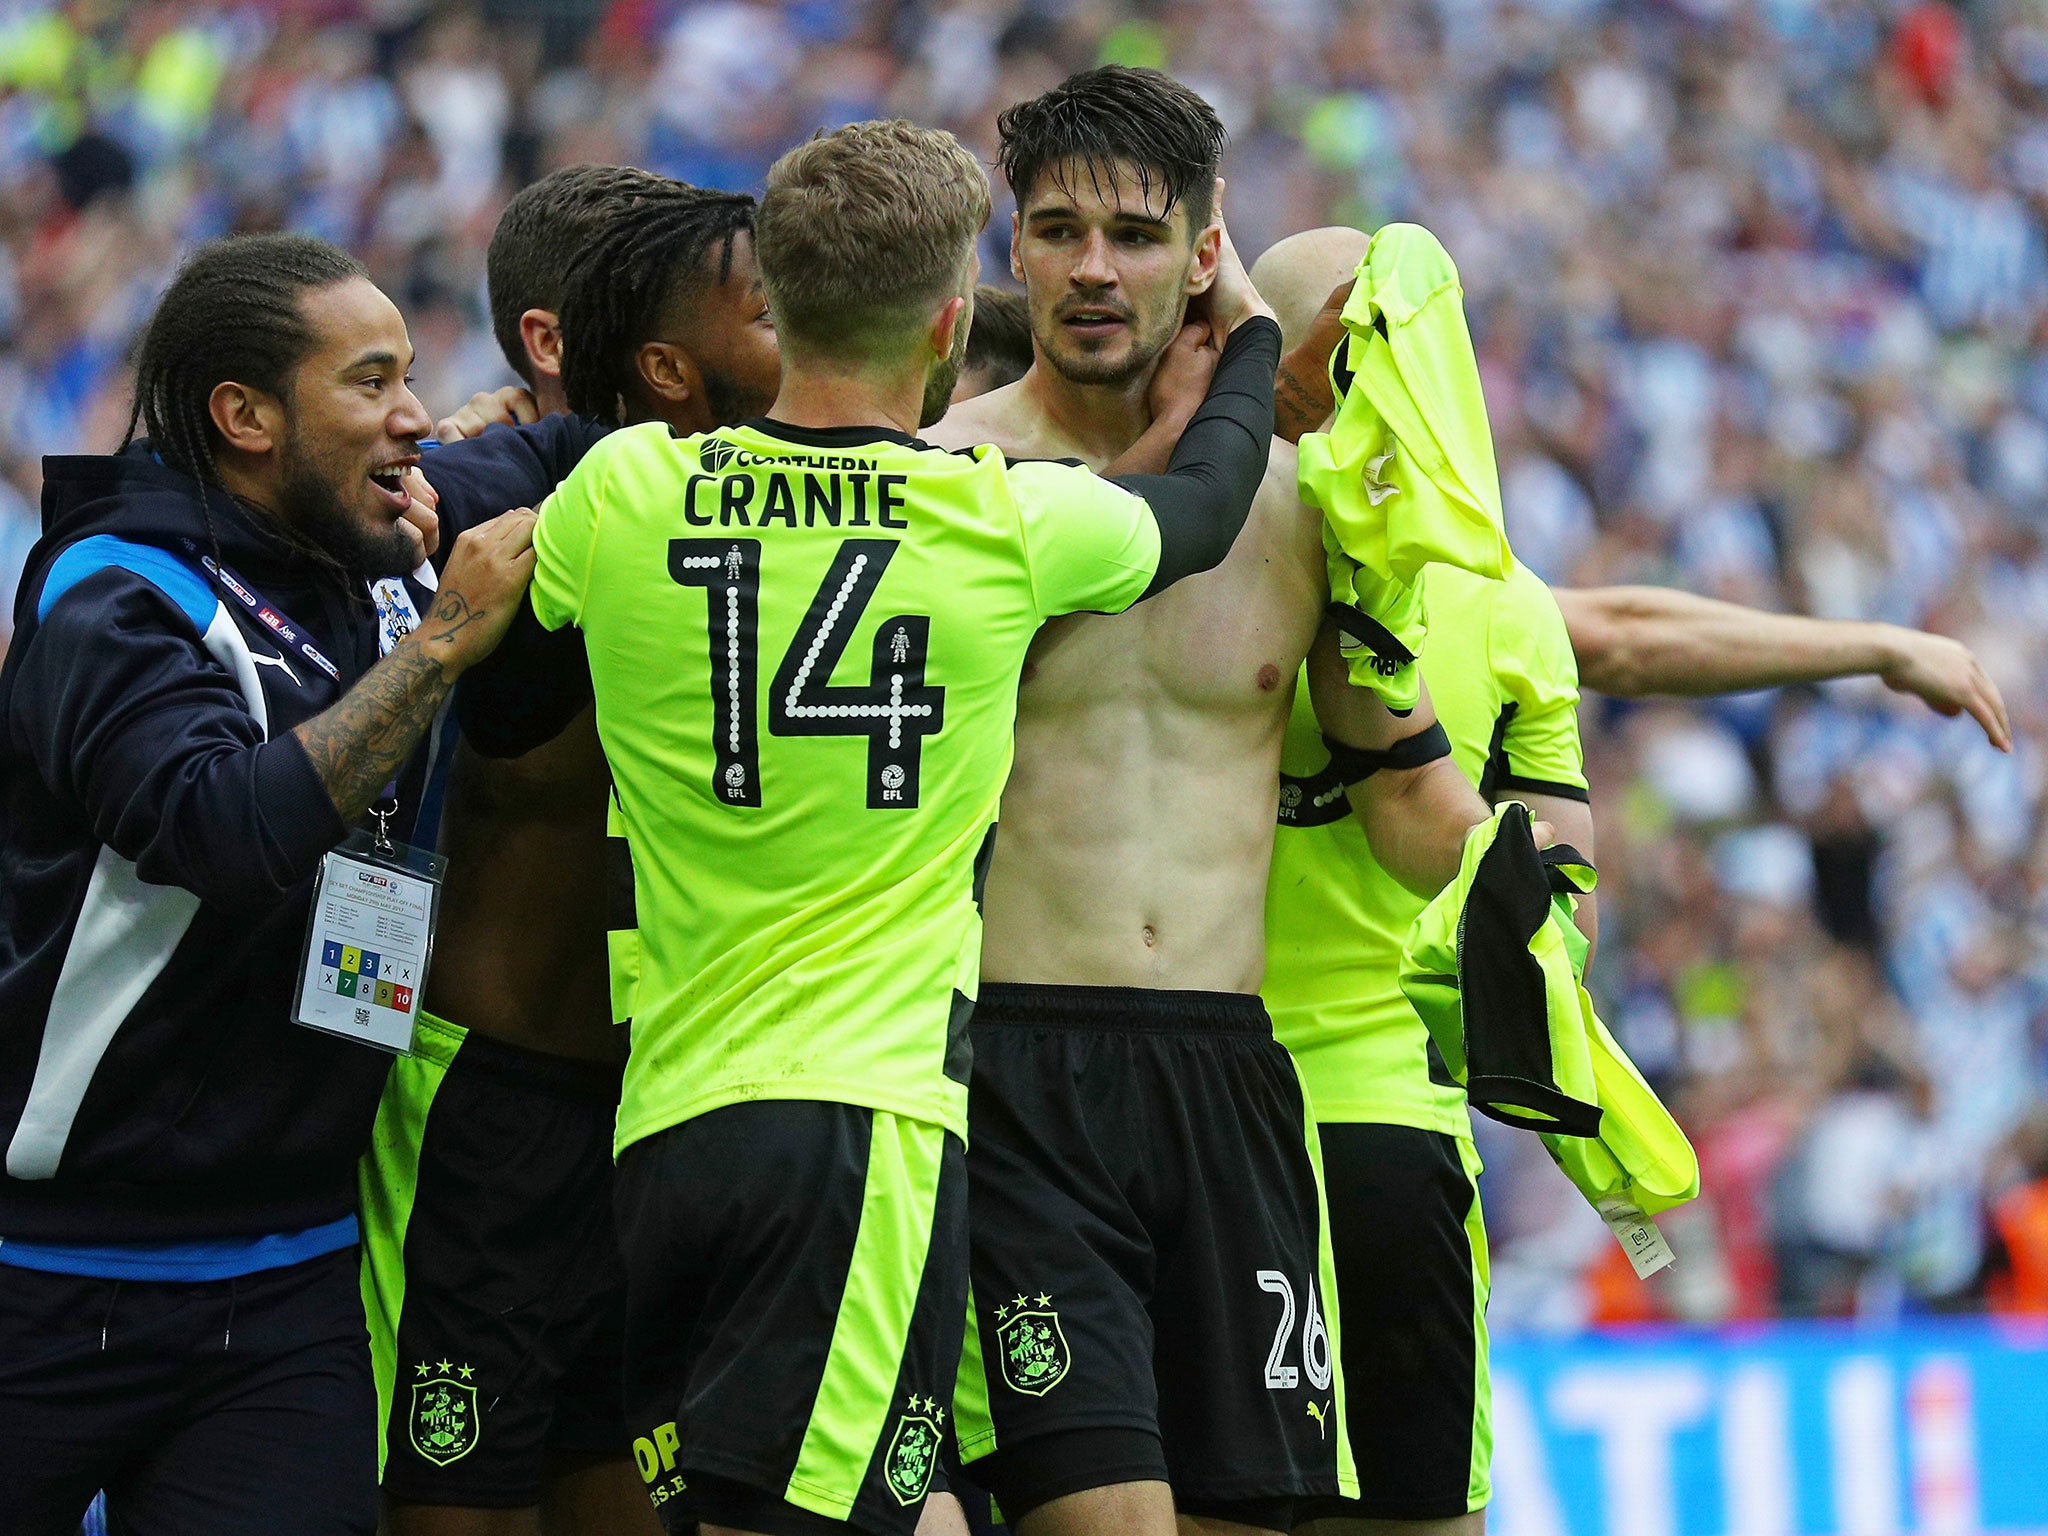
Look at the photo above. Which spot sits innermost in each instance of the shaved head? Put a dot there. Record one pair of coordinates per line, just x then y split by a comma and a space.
1297, 274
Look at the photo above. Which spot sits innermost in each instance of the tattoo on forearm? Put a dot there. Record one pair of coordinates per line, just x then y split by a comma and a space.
358, 745
452, 609
1298, 406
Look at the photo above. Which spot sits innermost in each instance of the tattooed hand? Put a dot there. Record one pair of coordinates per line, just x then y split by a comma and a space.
1302, 396
481, 586
358, 746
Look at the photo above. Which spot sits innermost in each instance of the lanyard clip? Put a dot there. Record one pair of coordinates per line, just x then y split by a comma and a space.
384, 810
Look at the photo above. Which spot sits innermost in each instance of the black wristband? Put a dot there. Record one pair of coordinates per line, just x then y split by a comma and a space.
1354, 623
1353, 765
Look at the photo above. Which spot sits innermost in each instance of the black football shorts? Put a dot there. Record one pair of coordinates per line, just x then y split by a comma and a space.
1151, 1291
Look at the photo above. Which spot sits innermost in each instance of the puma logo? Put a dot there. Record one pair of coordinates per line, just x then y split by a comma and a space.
1316, 1411
279, 662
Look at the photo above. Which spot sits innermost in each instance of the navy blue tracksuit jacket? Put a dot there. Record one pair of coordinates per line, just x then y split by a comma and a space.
159, 831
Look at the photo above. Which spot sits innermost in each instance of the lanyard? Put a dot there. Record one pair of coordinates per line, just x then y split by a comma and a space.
268, 616
280, 625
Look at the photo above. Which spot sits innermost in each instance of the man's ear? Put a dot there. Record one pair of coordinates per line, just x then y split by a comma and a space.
1017, 245
668, 372
249, 420
953, 314
1202, 261
541, 331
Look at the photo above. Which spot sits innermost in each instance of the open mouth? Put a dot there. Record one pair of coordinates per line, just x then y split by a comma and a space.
1094, 323
389, 483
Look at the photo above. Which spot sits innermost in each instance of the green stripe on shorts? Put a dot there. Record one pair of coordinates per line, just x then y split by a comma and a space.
1326, 1281
1481, 1485
883, 1281
386, 1177
974, 1426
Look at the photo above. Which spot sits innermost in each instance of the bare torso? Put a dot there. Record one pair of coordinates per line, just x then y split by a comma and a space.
1137, 826
521, 949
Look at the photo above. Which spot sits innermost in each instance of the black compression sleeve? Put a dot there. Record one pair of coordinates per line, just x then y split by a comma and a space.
1202, 500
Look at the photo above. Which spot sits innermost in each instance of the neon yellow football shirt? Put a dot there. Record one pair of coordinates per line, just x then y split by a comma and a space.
1500, 669
805, 647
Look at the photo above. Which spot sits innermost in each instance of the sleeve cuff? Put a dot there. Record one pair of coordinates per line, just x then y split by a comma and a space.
298, 813
1515, 781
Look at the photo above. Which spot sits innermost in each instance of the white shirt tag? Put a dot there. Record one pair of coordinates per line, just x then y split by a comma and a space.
1639, 1238
372, 933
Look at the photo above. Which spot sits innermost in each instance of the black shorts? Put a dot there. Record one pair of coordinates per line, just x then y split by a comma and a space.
1149, 1288
1412, 1283
796, 1278
235, 1407
491, 1270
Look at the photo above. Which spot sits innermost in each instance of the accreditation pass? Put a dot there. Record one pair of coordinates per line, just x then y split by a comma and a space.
366, 951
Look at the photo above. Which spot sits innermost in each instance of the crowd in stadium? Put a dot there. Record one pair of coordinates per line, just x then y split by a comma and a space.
1757, 291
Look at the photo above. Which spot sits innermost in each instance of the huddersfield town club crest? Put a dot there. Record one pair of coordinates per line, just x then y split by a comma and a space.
1034, 1349
914, 1450
444, 1415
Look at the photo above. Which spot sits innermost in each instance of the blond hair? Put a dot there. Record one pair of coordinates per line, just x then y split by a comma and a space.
862, 230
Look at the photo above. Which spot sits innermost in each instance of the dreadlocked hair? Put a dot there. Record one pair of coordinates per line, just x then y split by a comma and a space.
627, 281
232, 313
1166, 135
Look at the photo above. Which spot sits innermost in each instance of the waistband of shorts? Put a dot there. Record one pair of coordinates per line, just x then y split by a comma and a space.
1121, 1010
439, 1040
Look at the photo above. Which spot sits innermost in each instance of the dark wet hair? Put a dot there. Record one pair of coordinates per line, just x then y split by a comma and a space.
234, 312
1167, 134
628, 279
540, 234
999, 342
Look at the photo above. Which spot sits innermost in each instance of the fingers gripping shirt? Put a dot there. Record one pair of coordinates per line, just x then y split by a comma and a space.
1501, 673
805, 647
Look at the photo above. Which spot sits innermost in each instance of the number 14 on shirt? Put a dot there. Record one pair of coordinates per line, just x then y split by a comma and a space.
895, 711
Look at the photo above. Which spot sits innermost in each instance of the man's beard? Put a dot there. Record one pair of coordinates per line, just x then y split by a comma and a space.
1084, 368
310, 507
940, 382
728, 404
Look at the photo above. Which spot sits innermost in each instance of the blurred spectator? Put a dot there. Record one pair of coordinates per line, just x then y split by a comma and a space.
1760, 291
2019, 1218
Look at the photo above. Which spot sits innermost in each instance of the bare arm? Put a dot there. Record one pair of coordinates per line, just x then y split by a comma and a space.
1571, 822
1415, 819
1633, 641
358, 744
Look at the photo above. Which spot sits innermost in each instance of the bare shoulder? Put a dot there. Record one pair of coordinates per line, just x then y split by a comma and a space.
997, 417
1280, 508
1282, 475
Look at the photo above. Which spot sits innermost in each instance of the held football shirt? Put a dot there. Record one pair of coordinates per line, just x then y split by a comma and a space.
805, 648
1500, 670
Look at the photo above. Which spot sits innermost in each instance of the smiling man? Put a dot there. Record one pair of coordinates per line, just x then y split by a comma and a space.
196, 710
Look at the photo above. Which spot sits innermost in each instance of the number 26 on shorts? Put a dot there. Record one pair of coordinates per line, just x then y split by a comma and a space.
1315, 1338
